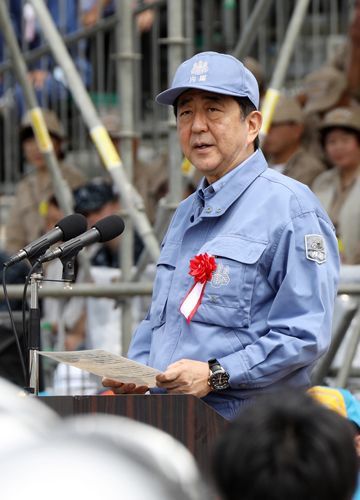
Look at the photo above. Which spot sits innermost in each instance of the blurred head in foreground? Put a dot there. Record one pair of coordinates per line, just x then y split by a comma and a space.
102, 456
287, 446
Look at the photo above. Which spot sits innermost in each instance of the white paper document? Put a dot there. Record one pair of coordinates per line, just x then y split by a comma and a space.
106, 364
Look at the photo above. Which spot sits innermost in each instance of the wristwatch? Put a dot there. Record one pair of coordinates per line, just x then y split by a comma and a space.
219, 378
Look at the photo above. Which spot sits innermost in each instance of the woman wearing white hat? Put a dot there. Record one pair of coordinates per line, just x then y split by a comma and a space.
339, 188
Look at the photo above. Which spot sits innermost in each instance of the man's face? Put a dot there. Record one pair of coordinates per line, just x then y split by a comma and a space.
110, 208
212, 132
281, 137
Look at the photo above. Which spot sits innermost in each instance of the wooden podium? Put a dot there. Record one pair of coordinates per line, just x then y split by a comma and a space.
186, 418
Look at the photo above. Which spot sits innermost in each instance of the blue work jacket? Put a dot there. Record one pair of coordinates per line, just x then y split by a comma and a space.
267, 315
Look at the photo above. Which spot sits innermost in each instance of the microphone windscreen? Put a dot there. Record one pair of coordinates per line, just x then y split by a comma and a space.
110, 227
73, 225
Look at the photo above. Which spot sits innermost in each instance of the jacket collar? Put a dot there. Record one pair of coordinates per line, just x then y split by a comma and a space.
220, 195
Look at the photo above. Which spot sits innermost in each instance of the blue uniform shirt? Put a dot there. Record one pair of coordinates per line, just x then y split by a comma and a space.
266, 315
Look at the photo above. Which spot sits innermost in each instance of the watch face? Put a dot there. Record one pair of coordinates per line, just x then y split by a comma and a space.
219, 380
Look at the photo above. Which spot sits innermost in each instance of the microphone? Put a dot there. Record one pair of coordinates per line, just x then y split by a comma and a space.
104, 230
69, 227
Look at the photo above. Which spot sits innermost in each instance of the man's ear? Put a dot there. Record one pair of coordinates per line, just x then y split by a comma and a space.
254, 121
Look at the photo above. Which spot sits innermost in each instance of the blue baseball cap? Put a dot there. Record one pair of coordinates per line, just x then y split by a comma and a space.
214, 72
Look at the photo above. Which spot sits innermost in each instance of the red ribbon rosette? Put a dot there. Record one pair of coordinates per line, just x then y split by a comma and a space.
202, 267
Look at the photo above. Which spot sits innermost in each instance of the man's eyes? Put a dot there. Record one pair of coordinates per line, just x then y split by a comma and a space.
188, 112
184, 112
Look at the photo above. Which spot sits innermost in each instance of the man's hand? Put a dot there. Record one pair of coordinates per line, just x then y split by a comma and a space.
185, 377
121, 388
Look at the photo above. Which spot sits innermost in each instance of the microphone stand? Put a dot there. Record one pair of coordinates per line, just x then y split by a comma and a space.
34, 317
68, 274
34, 331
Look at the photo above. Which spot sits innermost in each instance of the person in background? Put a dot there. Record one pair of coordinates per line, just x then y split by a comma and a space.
286, 446
246, 279
150, 177
335, 84
95, 200
325, 89
26, 218
339, 188
68, 311
283, 144
348, 406
45, 75
97, 322
347, 57
92, 12
353, 66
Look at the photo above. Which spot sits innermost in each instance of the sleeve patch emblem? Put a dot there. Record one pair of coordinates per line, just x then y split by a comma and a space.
315, 248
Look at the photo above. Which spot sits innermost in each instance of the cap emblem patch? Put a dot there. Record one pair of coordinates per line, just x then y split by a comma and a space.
199, 71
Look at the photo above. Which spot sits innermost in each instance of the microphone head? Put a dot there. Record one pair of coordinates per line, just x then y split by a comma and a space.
73, 225
110, 227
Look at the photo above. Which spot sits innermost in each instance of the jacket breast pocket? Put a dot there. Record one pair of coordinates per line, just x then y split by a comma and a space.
164, 274
227, 297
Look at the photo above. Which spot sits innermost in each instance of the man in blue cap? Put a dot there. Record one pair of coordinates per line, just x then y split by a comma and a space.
254, 312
